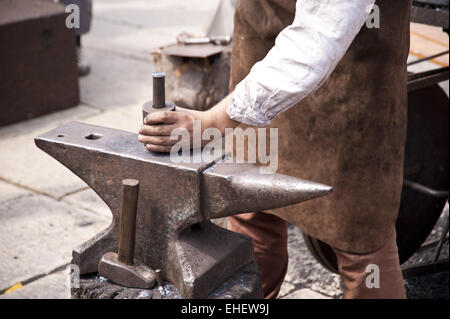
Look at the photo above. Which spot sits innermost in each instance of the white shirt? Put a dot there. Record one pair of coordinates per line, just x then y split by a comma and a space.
304, 55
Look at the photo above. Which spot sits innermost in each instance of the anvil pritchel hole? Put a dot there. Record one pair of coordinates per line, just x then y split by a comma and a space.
60, 135
93, 136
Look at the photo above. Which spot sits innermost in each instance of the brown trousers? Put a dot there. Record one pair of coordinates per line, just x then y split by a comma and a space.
269, 235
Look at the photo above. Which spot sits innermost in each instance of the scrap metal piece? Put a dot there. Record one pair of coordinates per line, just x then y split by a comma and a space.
216, 40
193, 50
172, 198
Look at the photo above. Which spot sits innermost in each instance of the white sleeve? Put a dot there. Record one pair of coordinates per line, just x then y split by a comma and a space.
304, 55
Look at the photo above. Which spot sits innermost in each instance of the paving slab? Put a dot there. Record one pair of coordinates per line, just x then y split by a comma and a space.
306, 293
286, 289
54, 286
9, 191
38, 234
87, 199
125, 118
158, 13
22, 163
137, 26
125, 40
115, 81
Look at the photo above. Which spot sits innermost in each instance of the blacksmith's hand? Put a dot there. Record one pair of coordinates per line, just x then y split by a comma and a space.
158, 126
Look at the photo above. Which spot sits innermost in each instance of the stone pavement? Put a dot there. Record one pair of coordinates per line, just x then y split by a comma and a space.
45, 210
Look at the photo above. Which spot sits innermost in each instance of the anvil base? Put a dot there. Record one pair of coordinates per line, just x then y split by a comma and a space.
244, 284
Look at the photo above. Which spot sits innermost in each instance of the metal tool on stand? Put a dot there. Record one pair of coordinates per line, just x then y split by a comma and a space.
216, 40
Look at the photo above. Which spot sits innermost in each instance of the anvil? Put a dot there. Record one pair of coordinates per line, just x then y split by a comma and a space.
175, 204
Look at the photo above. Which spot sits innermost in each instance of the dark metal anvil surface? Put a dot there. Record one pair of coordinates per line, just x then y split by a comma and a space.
175, 204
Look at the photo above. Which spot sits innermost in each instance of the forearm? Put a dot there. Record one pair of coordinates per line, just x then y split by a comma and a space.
216, 117
219, 118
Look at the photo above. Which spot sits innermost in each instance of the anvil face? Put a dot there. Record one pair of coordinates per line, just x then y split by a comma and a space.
172, 198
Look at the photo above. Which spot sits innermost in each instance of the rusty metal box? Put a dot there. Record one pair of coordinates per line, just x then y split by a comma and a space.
38, 68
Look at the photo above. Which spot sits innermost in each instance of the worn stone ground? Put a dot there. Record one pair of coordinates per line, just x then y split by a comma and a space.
45, 210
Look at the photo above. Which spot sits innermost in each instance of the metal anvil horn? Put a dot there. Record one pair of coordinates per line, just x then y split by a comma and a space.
175, 204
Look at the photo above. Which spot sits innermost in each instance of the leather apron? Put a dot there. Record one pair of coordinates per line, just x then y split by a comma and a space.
350, 133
